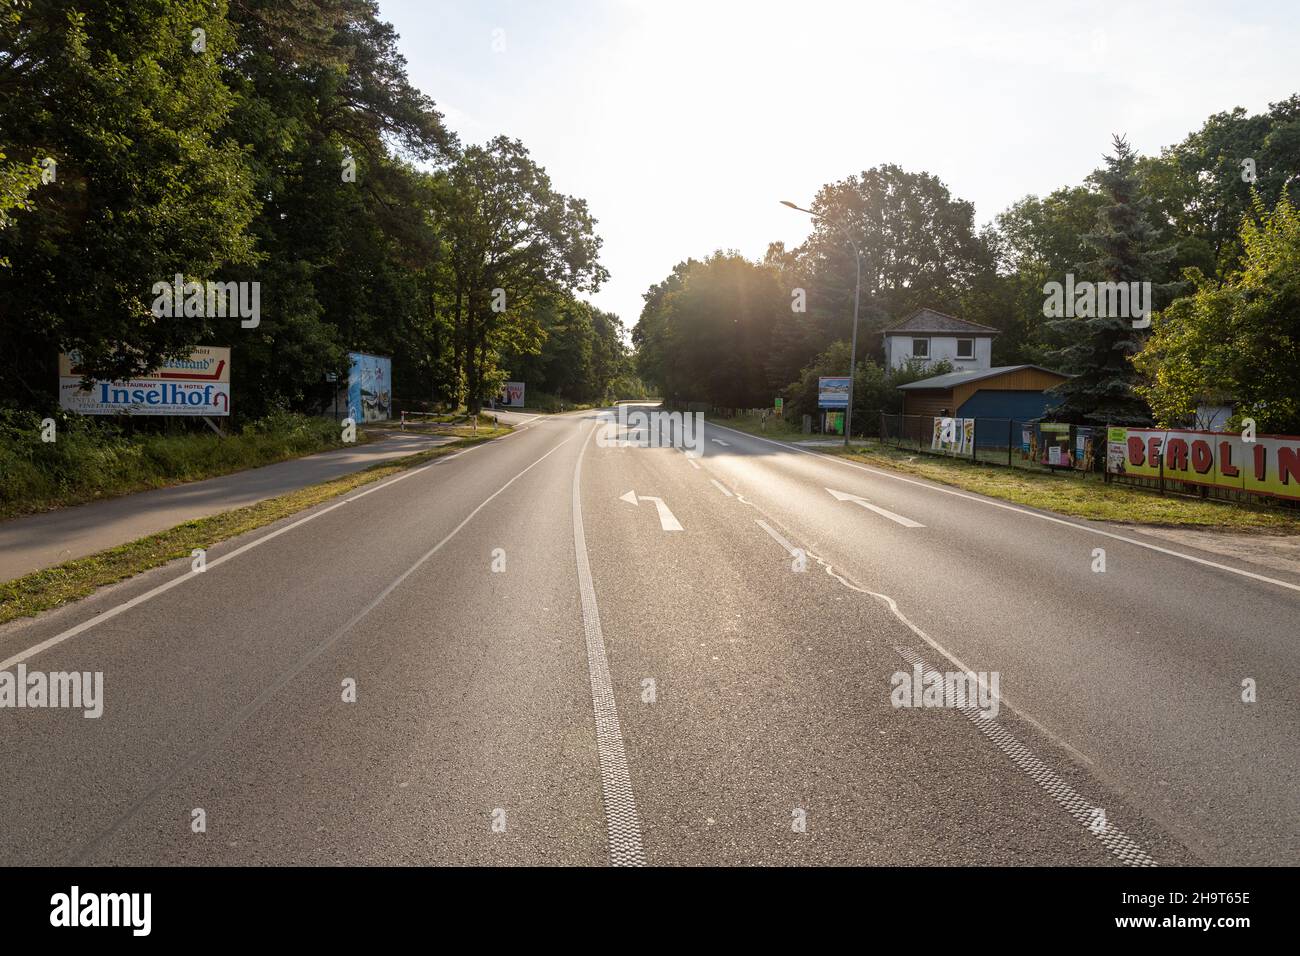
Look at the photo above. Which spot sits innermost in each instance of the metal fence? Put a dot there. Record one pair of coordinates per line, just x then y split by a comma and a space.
1015, 443
1010, 442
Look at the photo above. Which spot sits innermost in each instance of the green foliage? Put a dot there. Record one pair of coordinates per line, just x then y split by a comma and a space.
146, 186
705, 333
875, 389
918, 243
1237, 341
94, 457
1098, 348
287, 148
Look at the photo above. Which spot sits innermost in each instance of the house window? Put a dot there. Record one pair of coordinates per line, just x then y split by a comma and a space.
965, 348
921, 348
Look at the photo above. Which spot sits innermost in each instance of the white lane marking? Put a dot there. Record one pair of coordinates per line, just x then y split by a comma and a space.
667, 520
1033, 514
776, 535
188, 575
899, 519
719, 441
694, 464
1129, 851
621, 820
253, 706
721, 487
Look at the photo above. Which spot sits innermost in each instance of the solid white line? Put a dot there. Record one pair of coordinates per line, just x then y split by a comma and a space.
621, 820
776, 535
1033, 514
722, 488
188, 575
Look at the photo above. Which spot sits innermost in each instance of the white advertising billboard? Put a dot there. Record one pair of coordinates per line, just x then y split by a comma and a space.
198, 384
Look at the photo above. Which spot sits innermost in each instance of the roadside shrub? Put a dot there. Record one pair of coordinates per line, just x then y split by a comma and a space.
95, 458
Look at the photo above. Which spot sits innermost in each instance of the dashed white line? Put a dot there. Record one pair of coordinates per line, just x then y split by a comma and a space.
776, 536
721, 487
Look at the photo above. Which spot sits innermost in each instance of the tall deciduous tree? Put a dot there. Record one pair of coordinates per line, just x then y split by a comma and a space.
513, 241
1237, 341
919, 249
128, 102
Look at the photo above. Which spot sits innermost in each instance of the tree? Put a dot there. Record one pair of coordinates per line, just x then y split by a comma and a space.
1037, 240
351, 258
1202, 187
919, 249
1236, 341
1099, 346
706, 331
145, 187
513, 241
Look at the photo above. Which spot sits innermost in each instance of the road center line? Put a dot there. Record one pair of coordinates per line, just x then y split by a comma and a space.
621, 820
776, 536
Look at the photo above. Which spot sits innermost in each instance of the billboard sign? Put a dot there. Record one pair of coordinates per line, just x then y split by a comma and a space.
956, 436
833, 391
198, 384
1269, 465
370, 387
512, 395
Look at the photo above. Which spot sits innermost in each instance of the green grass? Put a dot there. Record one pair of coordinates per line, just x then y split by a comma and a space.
1064, 493
776, 428
92, 459
53, 587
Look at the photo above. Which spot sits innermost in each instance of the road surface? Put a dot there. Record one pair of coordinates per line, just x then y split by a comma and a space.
548, 650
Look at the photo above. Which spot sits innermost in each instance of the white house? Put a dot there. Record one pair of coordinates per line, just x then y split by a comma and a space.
933, 336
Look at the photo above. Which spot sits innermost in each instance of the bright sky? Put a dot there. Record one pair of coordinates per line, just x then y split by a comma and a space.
683, 123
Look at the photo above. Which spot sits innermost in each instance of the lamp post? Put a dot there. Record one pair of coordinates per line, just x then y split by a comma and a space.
857, 294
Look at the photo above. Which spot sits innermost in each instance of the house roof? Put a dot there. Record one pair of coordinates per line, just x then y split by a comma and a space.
953, 379
930, 321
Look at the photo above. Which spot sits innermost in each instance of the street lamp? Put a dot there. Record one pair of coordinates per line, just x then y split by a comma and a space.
857, 293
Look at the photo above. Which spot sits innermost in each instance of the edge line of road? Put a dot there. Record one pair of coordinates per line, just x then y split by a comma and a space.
1024, 511
152, 593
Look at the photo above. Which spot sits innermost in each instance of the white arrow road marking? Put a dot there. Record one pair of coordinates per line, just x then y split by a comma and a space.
719, 441
844, 496
667, 520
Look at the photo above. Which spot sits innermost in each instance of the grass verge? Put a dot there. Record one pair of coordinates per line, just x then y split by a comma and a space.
90, 459
1063, 493
53, 587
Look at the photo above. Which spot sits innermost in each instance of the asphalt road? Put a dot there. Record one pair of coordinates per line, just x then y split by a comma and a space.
551, 670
